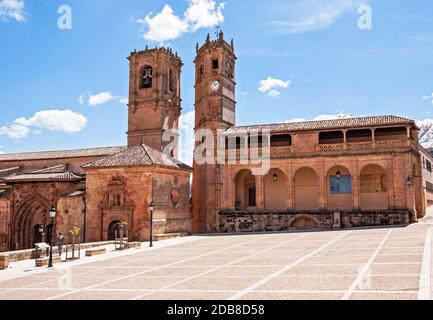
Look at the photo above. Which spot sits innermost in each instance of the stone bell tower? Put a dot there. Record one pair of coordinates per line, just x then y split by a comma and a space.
154, 97
215, 106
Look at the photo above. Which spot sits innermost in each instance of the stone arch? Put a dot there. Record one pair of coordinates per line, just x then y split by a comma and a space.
373, 188
146, 77
275, 187
304, 222
31, 212
116, 205
339, 190
112, 228
245, 187
306, 189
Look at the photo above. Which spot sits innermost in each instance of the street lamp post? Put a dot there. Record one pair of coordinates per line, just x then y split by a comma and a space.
151, 208
53, 213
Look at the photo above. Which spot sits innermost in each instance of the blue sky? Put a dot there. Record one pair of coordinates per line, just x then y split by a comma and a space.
66, 89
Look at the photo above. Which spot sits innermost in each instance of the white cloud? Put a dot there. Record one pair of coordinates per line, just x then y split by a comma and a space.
204, 14
54, 120
309, 15
322, 117
274, 93
82, 99
124, 101
166, 25
187, 120
163, 26
100, 98
14, 131
12, 9
270, 85
429, 98
187, 137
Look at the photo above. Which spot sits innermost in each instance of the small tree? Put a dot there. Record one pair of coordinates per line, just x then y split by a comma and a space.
74, 232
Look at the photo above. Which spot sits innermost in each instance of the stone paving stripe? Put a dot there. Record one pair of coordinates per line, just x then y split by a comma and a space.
424, 281
167, 265
286, 268
228, 264
365, 268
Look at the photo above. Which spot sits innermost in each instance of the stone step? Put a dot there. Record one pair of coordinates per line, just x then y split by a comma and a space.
43, 262
134, 245
4, 262
95, 252
166, 236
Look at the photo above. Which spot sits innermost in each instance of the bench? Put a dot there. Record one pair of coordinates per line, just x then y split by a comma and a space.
95, 252
132, 245
43, 262
4, 262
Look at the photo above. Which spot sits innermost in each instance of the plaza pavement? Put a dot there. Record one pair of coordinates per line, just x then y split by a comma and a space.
383, 263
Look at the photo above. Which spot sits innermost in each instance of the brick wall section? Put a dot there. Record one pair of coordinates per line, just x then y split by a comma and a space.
140, 185
71, 214
4, 223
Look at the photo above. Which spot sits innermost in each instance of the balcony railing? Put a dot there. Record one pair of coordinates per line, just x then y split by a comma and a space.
288, 151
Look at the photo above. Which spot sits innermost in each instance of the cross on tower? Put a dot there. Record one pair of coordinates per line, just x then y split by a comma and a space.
217, 30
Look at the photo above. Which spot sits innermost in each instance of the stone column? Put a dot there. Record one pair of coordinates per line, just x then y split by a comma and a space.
409, 136
322, 186
356, 186
260, 193
290, 187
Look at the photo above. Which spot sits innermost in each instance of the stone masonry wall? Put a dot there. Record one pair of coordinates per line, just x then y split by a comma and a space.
4, 223
232, 222
71, 214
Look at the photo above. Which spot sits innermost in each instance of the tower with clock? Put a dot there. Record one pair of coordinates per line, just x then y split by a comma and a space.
215, 106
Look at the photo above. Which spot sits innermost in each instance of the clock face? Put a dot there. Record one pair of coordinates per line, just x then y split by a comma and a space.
215, 85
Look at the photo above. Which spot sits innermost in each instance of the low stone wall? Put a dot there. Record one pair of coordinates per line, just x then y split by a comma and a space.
240, 221
21, 255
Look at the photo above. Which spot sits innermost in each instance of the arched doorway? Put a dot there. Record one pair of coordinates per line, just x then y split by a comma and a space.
275, 183
31, 213
339, 189
373, 188
304, 223
112, 228
245, 190
306, 189
37, 238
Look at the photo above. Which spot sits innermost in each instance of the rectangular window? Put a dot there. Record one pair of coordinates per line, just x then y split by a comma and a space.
342, 185
215, 64
429, 167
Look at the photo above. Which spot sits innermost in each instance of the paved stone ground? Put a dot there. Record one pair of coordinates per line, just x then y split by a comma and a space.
389, 263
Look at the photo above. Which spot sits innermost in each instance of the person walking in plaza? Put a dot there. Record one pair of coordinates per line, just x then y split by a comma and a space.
60, 241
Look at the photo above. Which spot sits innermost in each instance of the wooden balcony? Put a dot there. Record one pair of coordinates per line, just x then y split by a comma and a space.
289, 151
386, 145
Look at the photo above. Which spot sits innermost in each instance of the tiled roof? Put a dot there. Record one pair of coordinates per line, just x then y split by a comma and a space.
92, 152
9, 171
76, 193
139, 155
66, 176
327, 124
55, 169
